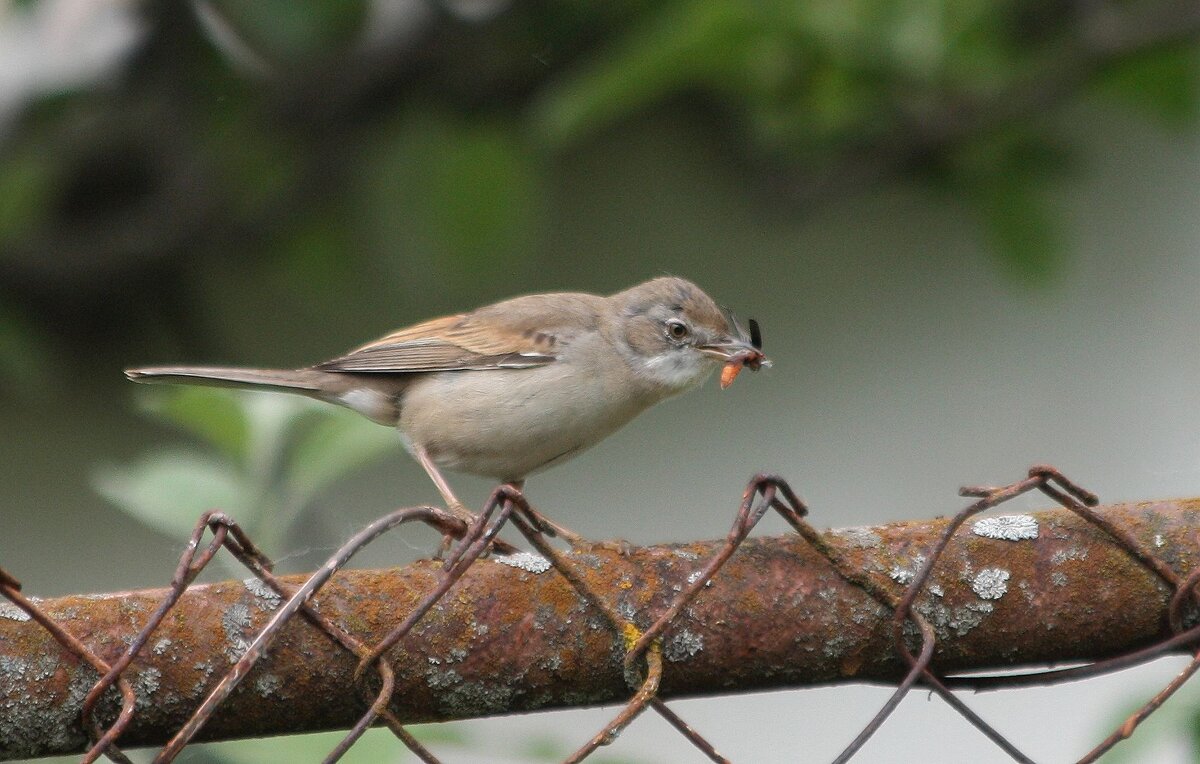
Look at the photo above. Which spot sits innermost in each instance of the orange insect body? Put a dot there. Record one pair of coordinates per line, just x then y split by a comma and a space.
754, 359
730, 372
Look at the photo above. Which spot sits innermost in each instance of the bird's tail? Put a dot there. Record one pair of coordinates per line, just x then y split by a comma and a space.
376, 397
311, 382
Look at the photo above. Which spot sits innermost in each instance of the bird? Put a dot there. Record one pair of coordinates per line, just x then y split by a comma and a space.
516, 387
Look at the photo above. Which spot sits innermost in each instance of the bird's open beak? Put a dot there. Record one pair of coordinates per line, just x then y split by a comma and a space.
745, 350
735, 354
737, 351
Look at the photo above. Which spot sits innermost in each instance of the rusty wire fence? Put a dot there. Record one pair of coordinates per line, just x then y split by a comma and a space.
903, 621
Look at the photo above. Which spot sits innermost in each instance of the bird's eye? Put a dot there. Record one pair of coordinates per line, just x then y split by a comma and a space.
677, 330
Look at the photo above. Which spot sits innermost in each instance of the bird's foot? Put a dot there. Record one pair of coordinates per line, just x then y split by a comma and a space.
456, 508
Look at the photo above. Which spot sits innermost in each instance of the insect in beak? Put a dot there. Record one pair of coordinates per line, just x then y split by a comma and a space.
752, 357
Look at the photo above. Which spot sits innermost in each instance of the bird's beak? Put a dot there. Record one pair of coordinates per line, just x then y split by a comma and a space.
739, 351
736, 354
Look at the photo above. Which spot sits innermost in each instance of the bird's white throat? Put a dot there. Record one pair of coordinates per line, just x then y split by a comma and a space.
679, 370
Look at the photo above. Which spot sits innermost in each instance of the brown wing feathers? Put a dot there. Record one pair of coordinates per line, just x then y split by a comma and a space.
444, 344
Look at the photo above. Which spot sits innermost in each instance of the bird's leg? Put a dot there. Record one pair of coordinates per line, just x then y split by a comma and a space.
455, 507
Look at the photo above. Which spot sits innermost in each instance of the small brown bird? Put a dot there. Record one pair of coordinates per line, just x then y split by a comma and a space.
513, 388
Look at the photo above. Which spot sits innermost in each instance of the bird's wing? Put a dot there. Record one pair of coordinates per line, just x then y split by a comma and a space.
502, 336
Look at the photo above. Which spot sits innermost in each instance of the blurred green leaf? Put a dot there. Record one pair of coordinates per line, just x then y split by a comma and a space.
1192, 725
316, 255
1007, 177
480, 192
1177, 719
169, 490
216, 416
984, 46
1021, 224
259, 166
822, 75
681, 45
27, 183
292, 32
24, 362
462, 193
332, 448
272, 419
279, 451
1163, 83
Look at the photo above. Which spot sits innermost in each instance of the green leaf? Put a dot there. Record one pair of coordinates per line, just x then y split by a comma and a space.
1007, 177
682, 44
280, 451
334, 447
1178, 719
1022, 228
257, 167
1163, 83
481, 196
169, 491
466, 193
272, 420
218, 417
286, 31
26, 185
24, 361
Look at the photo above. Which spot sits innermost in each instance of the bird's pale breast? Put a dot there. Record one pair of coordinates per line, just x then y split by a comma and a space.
508, 423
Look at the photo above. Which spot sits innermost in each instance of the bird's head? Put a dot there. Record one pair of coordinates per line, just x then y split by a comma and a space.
674, 335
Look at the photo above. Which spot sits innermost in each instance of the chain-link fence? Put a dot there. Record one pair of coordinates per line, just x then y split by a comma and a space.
480, 633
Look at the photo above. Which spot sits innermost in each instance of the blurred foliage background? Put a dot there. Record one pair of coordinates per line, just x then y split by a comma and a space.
326, 147
269, 183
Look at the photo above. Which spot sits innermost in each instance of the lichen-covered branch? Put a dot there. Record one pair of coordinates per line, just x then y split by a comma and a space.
512, 635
